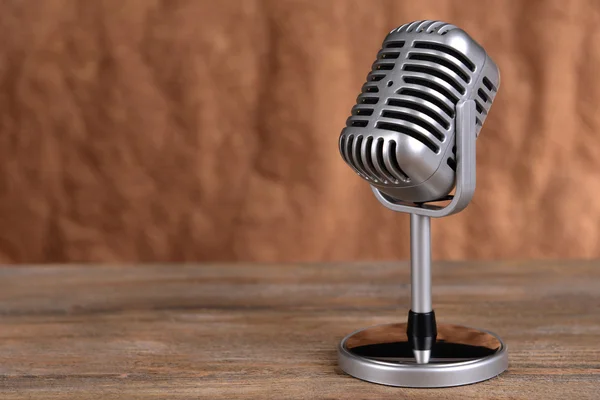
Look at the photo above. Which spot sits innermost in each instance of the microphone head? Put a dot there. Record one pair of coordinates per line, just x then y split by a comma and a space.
400, 136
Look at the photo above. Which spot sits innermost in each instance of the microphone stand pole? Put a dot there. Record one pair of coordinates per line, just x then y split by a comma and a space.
421, 328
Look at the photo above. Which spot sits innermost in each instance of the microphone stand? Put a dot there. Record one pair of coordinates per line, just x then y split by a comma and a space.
407, 354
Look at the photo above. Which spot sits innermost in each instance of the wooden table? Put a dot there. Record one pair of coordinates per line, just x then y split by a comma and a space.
271, 331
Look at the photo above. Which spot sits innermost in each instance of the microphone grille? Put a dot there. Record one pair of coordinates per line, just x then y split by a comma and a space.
426, 26
401, 129
486, 92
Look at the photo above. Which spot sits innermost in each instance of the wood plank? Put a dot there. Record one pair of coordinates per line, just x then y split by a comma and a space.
267, 331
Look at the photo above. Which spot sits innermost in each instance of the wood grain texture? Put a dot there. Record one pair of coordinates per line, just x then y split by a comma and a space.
204, 130
263, 331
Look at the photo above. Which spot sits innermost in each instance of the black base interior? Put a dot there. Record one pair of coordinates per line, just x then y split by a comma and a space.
441, 351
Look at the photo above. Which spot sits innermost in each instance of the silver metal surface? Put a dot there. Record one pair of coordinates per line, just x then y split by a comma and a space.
400, 136
466, 176
420, 263
461, 356
422, 356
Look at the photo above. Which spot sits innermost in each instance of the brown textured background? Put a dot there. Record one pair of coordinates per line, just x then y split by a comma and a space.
207, 130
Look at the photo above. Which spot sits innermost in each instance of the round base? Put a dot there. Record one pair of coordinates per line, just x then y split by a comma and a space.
461, 356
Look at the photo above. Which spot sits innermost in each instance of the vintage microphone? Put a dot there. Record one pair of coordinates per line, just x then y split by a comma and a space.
411, 136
